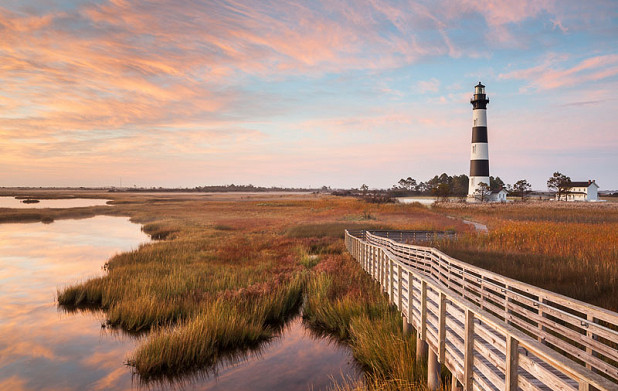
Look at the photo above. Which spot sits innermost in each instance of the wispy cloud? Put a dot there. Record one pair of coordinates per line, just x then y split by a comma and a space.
552, 73
137, 81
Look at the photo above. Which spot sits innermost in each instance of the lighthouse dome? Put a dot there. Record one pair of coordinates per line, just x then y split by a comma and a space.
479, 89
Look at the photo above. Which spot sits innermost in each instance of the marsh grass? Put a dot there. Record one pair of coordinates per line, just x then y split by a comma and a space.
343, 301
224, 274
568, 248
220, 329
49, 215
333, 230
227, 271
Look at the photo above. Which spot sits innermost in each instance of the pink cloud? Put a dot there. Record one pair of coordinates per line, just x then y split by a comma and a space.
552, 74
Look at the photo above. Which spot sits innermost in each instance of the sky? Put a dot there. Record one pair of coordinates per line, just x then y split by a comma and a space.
304, 93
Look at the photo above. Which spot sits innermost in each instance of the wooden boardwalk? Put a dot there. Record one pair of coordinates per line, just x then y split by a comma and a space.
492, 332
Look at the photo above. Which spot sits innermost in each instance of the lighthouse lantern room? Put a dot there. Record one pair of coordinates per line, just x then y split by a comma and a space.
479, 155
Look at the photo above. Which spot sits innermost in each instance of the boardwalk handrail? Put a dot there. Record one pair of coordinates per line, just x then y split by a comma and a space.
493, 332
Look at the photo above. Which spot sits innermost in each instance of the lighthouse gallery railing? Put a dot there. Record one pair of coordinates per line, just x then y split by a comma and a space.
490, 331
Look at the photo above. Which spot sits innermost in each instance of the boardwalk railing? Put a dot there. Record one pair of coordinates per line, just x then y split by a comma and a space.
493, 332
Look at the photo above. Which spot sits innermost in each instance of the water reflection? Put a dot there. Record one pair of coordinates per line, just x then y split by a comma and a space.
12, 202
298, 359
420, 200
293, 362
40, 347
44, 348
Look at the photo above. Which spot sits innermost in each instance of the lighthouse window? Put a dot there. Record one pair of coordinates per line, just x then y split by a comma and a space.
474, 149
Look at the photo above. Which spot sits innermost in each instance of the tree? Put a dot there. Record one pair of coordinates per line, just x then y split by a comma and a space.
442, 191
407, 184
559, 184
495, 184
422, 187
460, 184
482, 192
364, 188
521, 188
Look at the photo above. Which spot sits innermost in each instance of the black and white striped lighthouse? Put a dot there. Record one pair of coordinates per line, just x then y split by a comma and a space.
479, 155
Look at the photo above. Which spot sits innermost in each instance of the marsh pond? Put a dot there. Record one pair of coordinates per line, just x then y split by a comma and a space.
43, 347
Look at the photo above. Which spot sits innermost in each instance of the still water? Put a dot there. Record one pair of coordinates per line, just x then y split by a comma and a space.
43, 348
12, 202
420, 200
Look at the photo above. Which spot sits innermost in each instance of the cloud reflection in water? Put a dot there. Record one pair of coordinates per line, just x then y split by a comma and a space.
43, 348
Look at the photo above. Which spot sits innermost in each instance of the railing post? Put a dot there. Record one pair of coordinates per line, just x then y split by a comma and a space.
372, 265
399, 290
407, 327
365, 255
455, 384
391, 285
376, 269
468, 350
442, 328
589, 334
421, 340
433, 371
512, 357
380, 272
384, 276
410, 297
506, 304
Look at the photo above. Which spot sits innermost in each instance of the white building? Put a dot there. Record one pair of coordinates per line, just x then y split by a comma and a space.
581, 191
498, 196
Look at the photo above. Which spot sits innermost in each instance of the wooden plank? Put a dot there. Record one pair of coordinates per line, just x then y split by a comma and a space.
488, 291
525, 384
553, 381
593, 361
592, 327
600, 313
455, 340
431, 334
492, 355
481, 365
480, 382
455, 327
491, 336
568, 347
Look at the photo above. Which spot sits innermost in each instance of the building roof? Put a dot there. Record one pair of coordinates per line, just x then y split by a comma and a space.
583, 184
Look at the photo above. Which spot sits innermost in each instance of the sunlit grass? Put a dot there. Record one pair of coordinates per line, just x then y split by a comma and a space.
241, 262
223, 326
226, 271
568, 248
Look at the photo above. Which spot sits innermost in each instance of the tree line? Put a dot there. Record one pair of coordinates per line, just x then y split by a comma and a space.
444, 186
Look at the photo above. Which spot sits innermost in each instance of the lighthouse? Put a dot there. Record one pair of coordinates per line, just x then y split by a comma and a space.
479, 154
